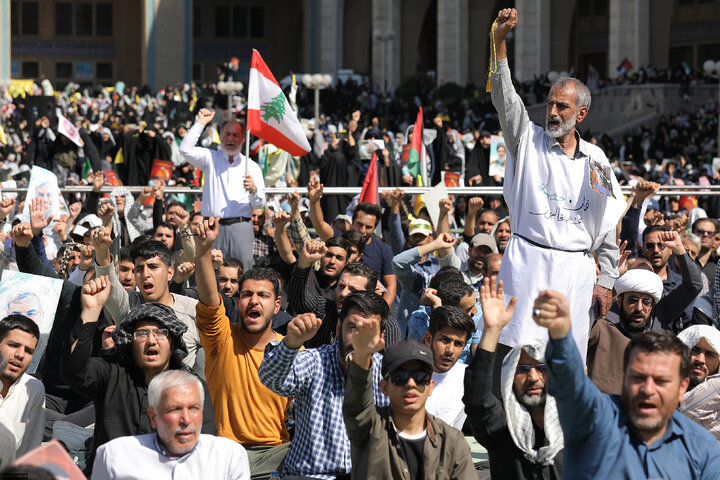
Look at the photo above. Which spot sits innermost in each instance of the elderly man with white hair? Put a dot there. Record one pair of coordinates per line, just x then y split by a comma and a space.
639, 292
177, 449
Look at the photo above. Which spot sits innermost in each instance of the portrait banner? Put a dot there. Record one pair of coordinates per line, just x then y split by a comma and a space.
43, 187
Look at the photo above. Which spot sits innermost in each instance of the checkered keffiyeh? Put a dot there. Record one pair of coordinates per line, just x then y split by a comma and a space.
164, 315
518, 418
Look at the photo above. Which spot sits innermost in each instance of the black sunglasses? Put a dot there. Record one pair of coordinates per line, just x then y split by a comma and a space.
399, 378
525, 369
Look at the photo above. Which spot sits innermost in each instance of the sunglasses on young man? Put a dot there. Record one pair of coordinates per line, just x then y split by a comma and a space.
399, 378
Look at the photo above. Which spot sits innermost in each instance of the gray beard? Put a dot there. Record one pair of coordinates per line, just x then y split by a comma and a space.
561, 130
532, 401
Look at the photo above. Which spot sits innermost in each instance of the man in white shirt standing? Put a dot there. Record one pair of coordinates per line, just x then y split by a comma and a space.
449, 330
22, 398
177, 449
226, 171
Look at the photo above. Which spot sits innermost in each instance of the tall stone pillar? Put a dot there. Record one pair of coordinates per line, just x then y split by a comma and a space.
168, 41
452, 41
532, 39
330, 36
629, 34
386, 37
4, 39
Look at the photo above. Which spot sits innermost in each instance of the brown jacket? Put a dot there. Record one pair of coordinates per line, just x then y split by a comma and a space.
375, 447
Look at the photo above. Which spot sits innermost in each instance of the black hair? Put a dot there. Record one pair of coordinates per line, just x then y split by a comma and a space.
167, 225
366, 303
151, 249
25, 472
141, 239
701, 220
353, 238
124, 253
446, 274
18, 322
653, 229
452, 292
485, 210
260, 273
175, 203
361, 269
368, 208
233, 263
658, 341
335, 242
193, 215
452, 317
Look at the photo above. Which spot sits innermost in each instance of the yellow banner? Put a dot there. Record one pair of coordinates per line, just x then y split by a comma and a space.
20, 87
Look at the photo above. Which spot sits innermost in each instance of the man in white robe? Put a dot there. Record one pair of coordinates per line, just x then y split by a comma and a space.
564, 203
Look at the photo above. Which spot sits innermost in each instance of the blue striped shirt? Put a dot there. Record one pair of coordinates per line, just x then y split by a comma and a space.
320, 447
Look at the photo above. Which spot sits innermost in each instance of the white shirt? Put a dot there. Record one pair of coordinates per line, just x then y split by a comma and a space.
22, 411
142, 456
445, 402
223, 192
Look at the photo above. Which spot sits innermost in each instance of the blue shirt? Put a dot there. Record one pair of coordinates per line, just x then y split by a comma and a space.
320, 447
413, 276
419, 322
600, 441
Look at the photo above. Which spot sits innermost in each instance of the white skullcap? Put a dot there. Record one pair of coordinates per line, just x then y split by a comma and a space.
640, 281
692, 335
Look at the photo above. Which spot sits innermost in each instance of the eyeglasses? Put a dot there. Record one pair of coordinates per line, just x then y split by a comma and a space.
159, 334
399, 378
632, 300
525, 369
651, 246
702, 233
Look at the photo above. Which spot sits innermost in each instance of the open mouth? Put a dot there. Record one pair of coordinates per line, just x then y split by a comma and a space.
152, 353
148, 287
254, 314
646, 408
14, 366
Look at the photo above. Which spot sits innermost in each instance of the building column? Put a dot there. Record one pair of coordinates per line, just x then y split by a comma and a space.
330, 36
4, 39
452, 38
386, 43
629, 34
532, 39
169, 42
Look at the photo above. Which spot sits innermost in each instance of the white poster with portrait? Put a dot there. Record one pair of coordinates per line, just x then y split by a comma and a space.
35, 297
43, 187
498, 155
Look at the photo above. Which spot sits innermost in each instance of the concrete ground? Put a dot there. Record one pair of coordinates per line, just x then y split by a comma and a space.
480, 458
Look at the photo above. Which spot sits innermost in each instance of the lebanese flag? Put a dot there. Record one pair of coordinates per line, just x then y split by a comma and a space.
269, 114
370, 184
68, 129
417, 147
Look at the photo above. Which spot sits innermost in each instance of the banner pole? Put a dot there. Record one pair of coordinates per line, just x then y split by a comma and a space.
247, 148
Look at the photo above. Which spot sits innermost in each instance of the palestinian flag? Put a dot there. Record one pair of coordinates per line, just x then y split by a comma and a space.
417, 147
269, 114
624, 67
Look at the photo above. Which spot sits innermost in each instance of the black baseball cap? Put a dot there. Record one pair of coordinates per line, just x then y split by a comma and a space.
405, 351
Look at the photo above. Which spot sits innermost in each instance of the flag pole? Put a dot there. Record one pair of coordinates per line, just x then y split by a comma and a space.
247, 148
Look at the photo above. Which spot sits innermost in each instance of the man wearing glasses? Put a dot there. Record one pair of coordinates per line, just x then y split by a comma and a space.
681, 275
402, 440
707, 258
522, 432
148, 341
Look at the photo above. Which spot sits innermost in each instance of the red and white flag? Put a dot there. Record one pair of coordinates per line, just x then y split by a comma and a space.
269, 114
68, 129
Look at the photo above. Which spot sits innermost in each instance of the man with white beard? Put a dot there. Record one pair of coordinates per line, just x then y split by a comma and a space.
225, 170
563, 198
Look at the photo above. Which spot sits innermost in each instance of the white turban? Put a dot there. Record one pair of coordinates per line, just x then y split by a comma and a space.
640, 281
692, 335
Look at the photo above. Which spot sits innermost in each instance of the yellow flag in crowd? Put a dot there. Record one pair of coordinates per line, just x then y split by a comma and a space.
119, 157
419, 199
3, 138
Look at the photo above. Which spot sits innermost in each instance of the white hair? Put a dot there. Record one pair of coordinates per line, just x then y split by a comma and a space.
693, 238
169, 379
582, 93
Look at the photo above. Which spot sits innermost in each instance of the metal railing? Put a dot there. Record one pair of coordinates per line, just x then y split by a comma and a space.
665, 190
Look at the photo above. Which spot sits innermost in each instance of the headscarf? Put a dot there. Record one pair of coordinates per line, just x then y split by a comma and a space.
175, 156
518, 418
157, 312
129, 200
641, 281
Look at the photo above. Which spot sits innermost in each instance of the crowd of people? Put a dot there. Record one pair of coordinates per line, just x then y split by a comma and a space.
573, 332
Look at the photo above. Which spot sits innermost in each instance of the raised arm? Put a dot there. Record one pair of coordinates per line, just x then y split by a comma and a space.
134, 215
205, 235
485, 412
197, 156
285, 370
511, 112
280, 221
118, 304
322, 228
580, 404
397, 238
474, 206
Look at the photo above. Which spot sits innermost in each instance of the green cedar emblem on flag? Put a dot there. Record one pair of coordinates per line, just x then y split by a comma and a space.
274, 109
